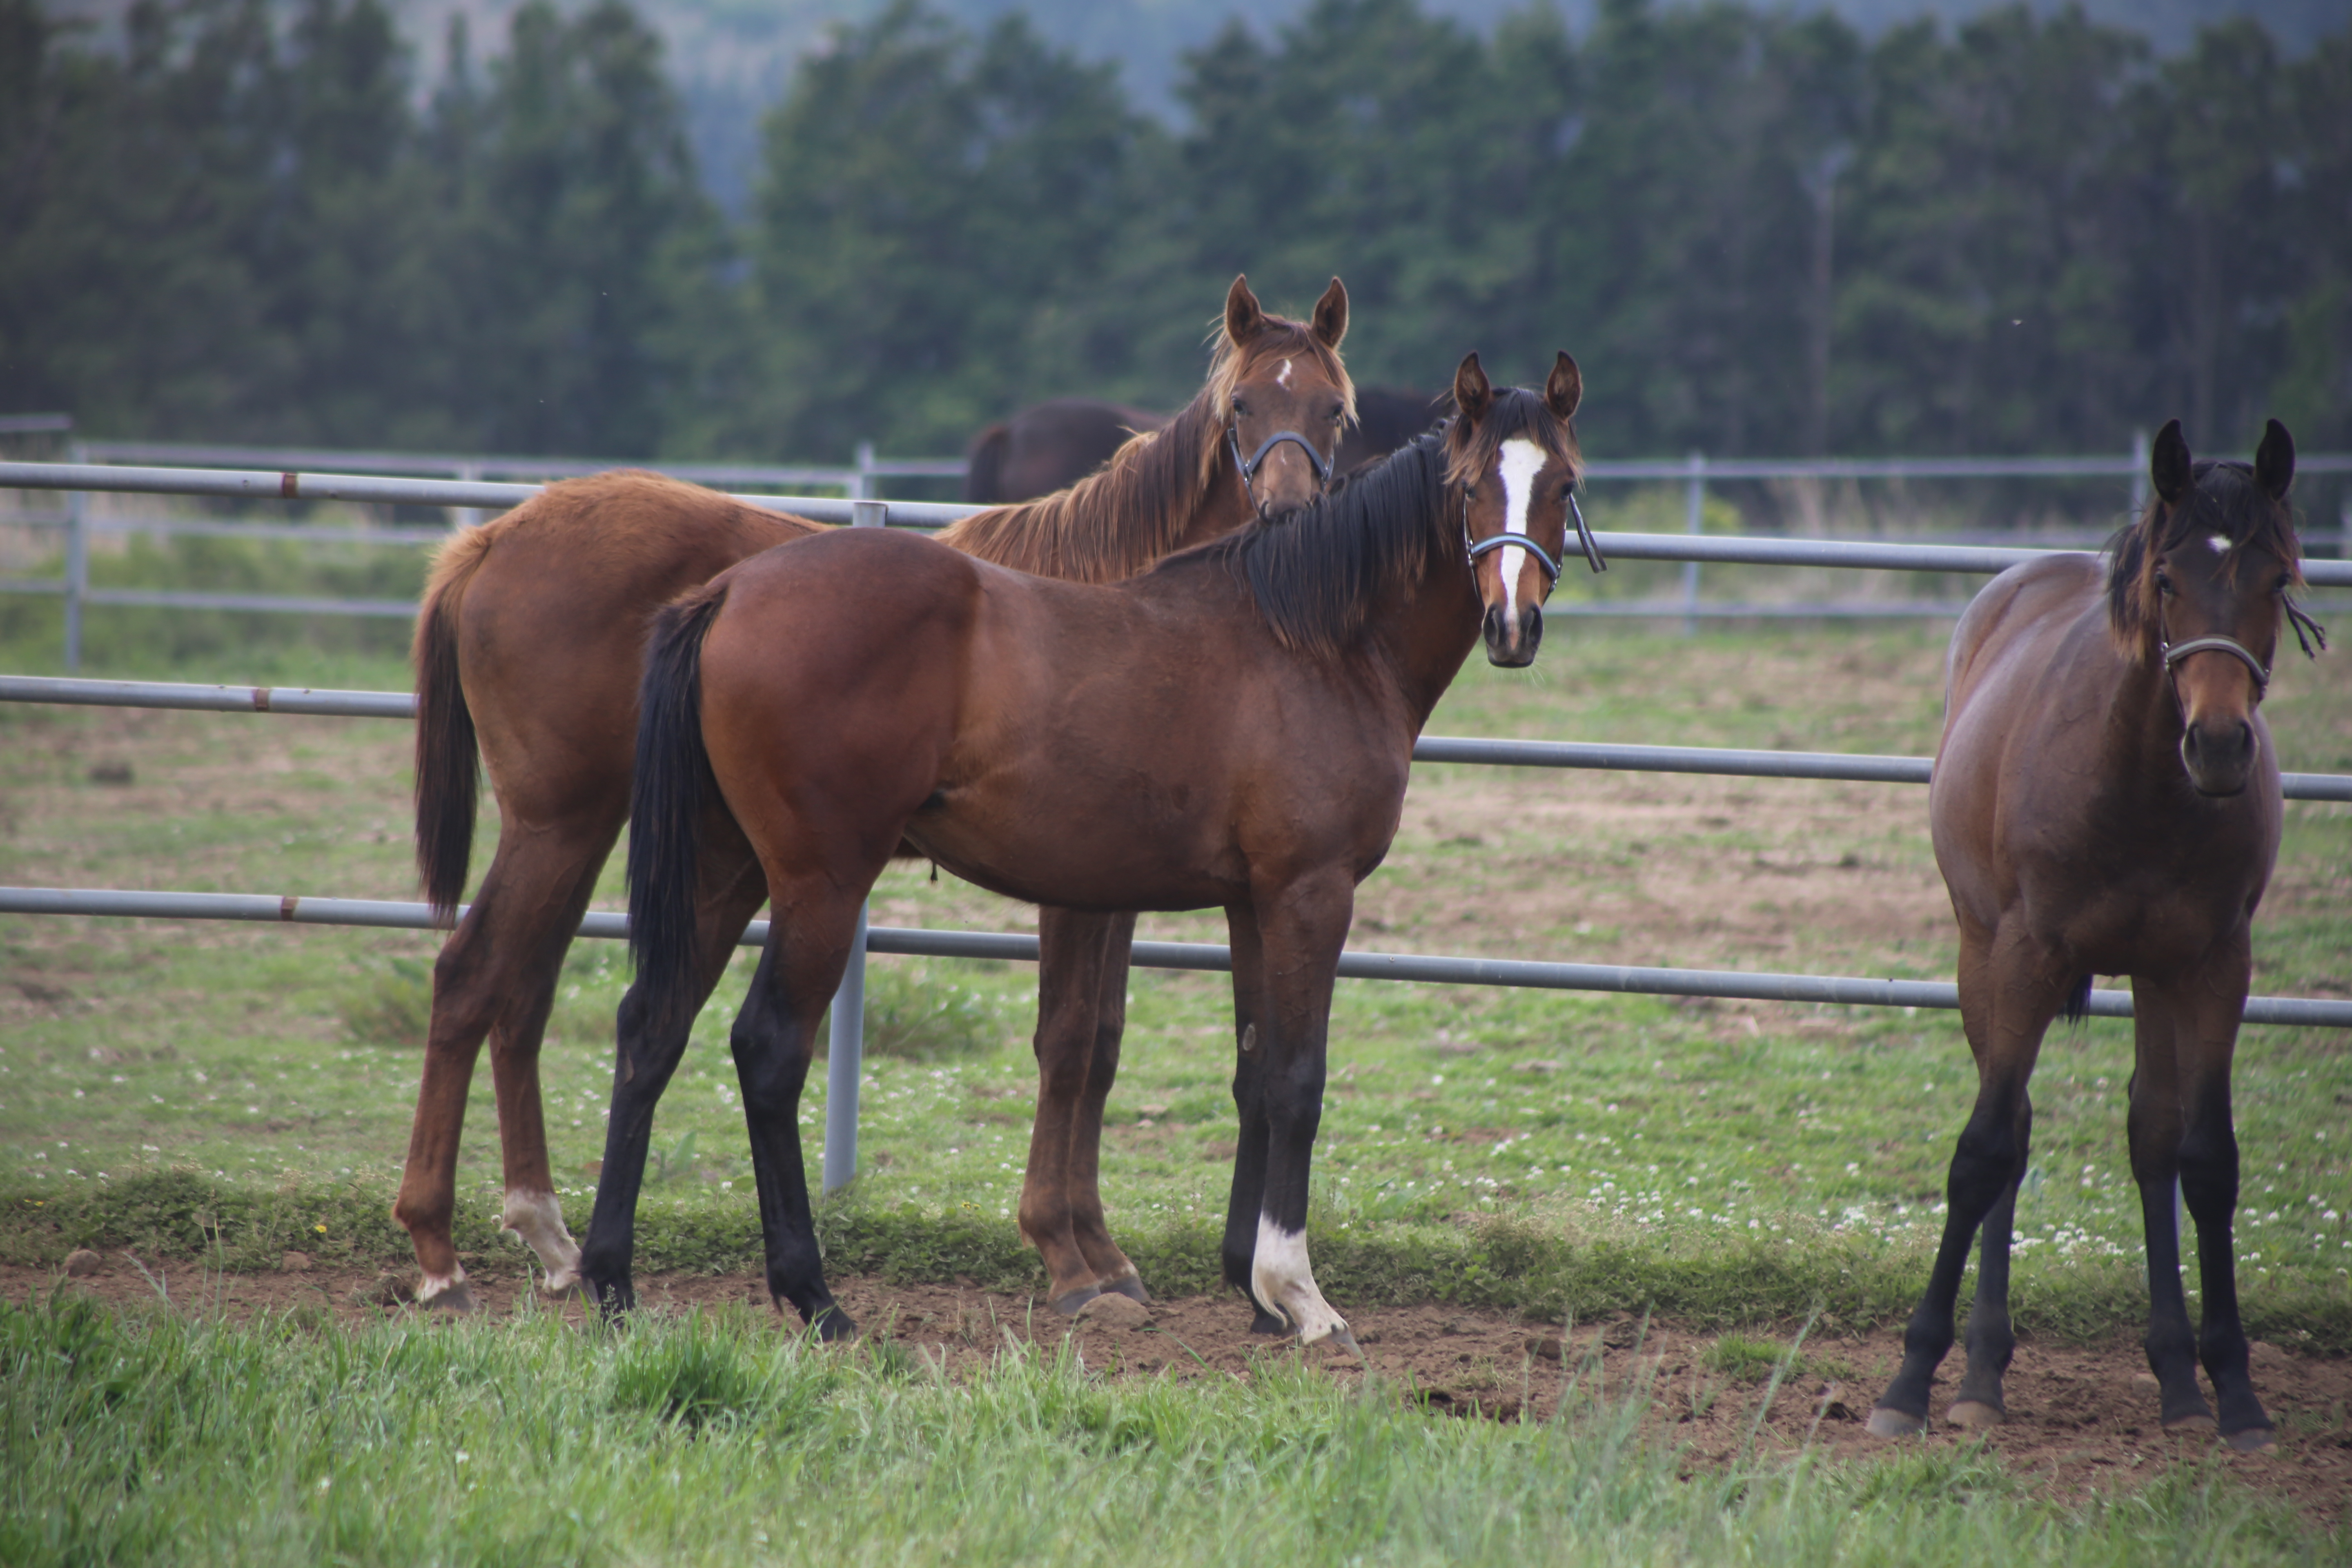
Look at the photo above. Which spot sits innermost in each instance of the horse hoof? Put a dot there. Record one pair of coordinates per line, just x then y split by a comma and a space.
1266, 1323
453, 1299
2252, 1440
1975, 1414
1129, 1287
834, 1326
1886, 1422
1345, 1339
1069, 1303
2195, 1424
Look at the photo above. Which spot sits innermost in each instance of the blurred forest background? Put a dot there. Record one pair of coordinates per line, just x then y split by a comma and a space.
1761, 232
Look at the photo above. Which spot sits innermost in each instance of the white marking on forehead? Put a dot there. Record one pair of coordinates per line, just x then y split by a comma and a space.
1522, 460
1282, 376
2221, 543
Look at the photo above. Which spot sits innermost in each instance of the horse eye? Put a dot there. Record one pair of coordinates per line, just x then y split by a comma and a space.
1239, 406
2163, 584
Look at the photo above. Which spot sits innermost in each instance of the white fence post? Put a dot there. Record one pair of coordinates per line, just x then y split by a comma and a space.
1694, 522
845, 1062
462, 517
863, 487
76, 561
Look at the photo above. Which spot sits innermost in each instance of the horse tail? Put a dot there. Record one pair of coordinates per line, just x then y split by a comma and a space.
448, 763
984, 468
2078, 1001
673, 780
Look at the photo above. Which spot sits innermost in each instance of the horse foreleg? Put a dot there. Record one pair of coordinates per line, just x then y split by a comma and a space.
1301, 930
773, 1042
1247, 1198
2154, 1127
495, 977
2009, 993
1081, 1015
2207, 1008
647, 1051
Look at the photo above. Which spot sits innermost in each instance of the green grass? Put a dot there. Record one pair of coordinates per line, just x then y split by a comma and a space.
1734, 1162
137, 1438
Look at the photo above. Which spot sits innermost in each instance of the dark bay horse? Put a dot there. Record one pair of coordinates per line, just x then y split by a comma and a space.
1049, 446
2105, 801
1232, 729
530, 643
1053, 445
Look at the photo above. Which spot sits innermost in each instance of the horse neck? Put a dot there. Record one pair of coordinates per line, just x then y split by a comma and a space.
1425, 629
1164, 491
2140, 731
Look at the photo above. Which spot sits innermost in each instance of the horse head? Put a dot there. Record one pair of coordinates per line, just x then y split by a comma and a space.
1514, 457
2202, 583
1287, 397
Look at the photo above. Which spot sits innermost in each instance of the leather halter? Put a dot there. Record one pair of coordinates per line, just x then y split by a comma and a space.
1493, 542
2175, 652
1249, 469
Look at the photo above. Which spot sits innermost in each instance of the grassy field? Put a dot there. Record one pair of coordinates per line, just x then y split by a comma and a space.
230, 1092
133, 1437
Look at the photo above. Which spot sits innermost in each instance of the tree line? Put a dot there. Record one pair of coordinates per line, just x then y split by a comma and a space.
1759, 232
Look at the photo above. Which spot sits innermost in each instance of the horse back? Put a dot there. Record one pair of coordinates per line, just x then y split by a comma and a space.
554, 615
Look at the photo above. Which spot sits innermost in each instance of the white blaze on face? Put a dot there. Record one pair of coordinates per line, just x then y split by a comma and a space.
2221, 543
1281, 1279
537, 1218
1522, 460
1282, 377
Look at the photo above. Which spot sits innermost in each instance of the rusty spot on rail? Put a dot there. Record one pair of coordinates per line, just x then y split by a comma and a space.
286, 907
262, 700
289, 487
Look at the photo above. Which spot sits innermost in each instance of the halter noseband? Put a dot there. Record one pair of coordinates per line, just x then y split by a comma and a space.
2175, 652
1249, 469
1494, 542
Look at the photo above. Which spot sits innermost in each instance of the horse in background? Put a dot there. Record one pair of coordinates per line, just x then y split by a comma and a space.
1053, 445
2105, 801
529, 647
1049, 446
1233, 728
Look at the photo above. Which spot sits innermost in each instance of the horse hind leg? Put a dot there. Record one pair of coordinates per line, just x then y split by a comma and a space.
505, 953
1081, 1013
1991, 1340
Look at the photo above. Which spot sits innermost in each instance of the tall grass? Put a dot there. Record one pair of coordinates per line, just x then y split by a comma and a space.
158, 1439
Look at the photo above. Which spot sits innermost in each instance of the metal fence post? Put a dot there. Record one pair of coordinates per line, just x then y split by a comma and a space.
863, 487
462, 517
845, 1063
1694, 522
2139, 471
77, 560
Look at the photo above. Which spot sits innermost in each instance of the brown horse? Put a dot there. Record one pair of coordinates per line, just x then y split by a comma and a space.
2106, 801
530, 638
1232, 729
1049, 446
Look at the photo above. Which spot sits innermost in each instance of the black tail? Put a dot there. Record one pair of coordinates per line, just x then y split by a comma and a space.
673, 780
984, 466
449, 767
2078, 1002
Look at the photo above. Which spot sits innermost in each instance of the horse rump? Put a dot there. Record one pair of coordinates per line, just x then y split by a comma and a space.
673, 780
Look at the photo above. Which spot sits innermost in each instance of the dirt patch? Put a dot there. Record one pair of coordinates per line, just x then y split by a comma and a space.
2081, 1420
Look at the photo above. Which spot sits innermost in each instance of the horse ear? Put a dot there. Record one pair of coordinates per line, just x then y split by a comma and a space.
2275, 461
1331, 315
1564, 388
1472, 391
2170, 464
1244, 314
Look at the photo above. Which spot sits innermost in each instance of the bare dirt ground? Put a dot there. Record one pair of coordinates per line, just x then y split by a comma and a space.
2081, 1420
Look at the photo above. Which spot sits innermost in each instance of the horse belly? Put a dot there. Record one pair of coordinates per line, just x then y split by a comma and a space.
1095, 842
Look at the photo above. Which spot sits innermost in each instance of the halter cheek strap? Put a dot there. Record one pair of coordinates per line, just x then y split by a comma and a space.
1593, 557
2175, 652
1521, 541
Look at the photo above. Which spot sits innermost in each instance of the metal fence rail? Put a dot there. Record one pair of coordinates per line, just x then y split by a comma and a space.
1733, 762
2298, 1012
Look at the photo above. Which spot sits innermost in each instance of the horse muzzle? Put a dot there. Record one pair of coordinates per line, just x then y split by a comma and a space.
1512, 637
2219, 756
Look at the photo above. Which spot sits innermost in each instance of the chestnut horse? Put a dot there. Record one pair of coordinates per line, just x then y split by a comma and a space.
1232, 729
2106, 801
530, 638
